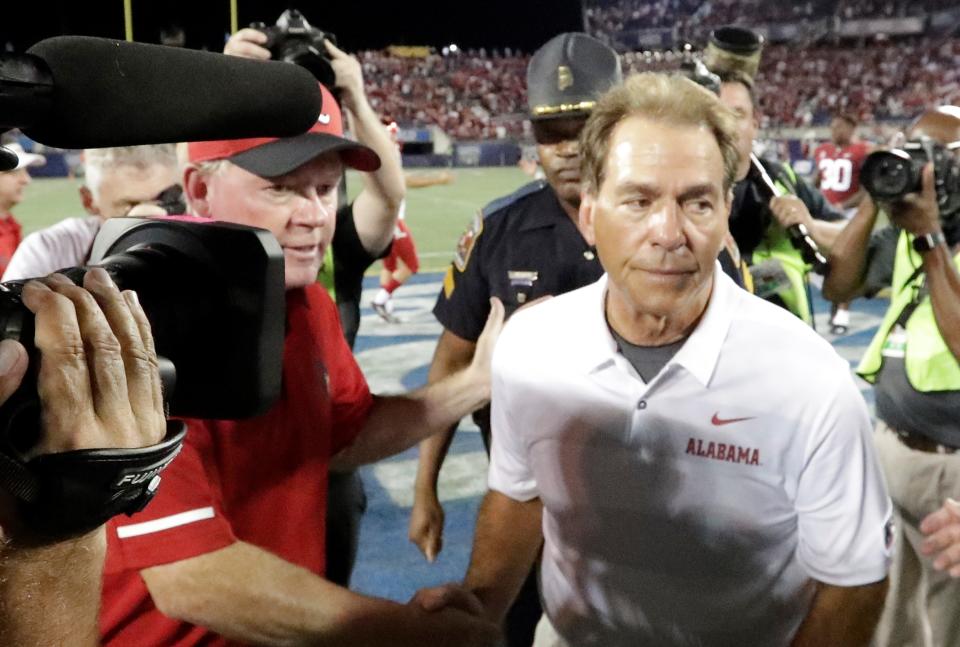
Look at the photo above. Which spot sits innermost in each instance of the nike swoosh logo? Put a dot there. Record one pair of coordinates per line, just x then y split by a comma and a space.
718, 421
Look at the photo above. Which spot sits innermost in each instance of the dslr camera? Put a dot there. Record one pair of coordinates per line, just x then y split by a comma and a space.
294, 40
890, 175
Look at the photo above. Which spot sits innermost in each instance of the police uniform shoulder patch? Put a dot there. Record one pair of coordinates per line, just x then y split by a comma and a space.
467, 241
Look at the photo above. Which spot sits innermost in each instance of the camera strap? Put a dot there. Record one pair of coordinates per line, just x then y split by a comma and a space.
73, 492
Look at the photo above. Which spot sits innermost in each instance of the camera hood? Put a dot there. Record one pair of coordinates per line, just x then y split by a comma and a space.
214, 294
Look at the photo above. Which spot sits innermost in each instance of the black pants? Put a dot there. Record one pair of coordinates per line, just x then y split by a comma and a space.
346, 503
521, 621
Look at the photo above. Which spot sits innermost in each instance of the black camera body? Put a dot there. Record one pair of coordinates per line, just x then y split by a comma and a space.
214, 295
294, 40
890, 175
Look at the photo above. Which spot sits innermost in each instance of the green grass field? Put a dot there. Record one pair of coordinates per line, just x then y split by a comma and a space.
436, 215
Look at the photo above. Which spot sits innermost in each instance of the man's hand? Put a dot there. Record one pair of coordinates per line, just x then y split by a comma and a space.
452, 595
427, 518
483, 355
349, 76
918, 212
99, 387
426, 524
98, 382
943, 537
248, 43
790, 210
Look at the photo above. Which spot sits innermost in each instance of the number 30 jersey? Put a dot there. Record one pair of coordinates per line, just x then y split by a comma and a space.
839, 169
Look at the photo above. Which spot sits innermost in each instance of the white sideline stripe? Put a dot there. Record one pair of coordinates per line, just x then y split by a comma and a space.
164, 523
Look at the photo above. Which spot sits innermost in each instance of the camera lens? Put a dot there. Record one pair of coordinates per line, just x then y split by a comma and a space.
308, 57
888, 174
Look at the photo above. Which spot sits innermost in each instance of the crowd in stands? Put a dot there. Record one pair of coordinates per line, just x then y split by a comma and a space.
885, 81
476, 95
610, 17
472, 95
481, 96
890, 81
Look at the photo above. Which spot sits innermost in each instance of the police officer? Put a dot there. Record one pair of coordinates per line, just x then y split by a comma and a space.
914, 364
759, 224
519, 248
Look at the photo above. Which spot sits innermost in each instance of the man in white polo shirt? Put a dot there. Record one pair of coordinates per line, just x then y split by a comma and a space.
695, 461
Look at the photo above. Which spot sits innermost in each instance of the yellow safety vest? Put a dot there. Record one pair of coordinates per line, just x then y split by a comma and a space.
776, 245
931, 366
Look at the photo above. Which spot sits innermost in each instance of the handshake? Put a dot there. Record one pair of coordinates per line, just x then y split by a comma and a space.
453, 600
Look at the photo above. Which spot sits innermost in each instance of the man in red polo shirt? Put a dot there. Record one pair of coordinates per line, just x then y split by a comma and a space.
232, 547
12, 185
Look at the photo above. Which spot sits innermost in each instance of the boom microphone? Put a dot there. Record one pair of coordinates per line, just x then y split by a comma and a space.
82, 92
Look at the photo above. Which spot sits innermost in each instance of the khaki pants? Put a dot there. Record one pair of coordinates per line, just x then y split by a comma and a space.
546, 635
923, 606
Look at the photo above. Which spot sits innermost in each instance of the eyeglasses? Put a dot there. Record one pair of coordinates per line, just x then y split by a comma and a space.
555, 131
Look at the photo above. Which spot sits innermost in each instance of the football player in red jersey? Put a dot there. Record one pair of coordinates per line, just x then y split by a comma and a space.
838, 165
402, 262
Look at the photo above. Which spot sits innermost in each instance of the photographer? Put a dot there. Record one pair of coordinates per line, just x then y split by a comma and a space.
99, 388
913, 364
759, 224
116, 180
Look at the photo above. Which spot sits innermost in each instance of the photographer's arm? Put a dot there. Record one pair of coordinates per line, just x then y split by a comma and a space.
918, 214
98, 387
848, 258
854, 200
248, 43
944, 283
249, 595
376, 208
398, 422
843, 616
793, 210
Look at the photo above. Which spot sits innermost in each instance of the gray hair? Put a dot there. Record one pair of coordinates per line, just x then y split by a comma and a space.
96, 161
671, 99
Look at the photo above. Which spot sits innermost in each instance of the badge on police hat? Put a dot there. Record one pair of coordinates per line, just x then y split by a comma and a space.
568, 74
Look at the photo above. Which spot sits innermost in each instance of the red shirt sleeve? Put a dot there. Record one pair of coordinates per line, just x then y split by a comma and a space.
183, 520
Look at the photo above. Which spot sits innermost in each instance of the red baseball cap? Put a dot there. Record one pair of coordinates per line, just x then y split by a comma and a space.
272, 157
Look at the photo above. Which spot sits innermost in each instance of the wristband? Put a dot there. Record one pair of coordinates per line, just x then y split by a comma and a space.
70, 493
928, 242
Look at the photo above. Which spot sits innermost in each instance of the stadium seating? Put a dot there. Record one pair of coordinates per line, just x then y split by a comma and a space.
470, 96
480, 96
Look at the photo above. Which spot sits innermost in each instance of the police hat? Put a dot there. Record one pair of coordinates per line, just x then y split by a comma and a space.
567, 75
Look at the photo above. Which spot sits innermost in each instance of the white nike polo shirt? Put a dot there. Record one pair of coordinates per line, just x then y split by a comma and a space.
697, 509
